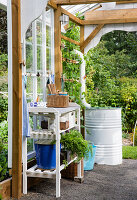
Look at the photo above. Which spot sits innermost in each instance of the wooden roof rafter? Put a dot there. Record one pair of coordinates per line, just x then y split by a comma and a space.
70, 40
72, 17
77, 2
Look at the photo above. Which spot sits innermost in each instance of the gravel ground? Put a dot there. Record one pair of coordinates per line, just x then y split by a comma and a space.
102, 183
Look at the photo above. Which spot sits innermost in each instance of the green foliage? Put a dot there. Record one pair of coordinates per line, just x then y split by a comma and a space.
135, 137
107, 84
129, 152
3, 63
125, 135
74, 142
135, 143
4, 87
123, 41
71, 70
3, 150
65, 162
128, 98
3, 108
3, 31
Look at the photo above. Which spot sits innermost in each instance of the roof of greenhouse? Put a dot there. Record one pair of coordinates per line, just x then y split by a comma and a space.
82, 8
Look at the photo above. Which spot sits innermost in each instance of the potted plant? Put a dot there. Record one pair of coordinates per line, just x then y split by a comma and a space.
75, 143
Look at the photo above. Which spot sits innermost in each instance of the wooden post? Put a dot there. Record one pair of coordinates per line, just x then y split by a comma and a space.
83, 110
58, 53
17, 101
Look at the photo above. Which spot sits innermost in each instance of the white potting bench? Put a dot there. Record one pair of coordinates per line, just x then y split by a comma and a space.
47, 134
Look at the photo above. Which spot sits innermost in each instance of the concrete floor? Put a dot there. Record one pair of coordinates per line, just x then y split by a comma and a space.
103, 183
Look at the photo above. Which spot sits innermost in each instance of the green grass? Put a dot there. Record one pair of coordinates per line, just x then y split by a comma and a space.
129, 152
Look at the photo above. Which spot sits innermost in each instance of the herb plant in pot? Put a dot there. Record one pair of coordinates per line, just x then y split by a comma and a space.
74, 142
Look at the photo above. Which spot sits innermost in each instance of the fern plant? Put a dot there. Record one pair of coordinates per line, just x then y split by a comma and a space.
74, 142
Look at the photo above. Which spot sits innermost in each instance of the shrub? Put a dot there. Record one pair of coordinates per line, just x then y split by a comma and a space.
3, 63
3, 150
3, 108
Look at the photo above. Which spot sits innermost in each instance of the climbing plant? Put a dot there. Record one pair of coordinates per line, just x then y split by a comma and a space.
71, 63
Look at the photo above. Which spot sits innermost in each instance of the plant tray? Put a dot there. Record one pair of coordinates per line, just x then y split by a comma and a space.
58, 101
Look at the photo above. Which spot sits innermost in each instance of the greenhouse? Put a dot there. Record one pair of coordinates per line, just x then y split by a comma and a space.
68, 90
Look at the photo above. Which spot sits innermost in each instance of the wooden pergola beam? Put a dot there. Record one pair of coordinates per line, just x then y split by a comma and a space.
111, 16
125, 2
91, 36
105, 16
72, 17
52, 4
70, 40
17, 101
74, 2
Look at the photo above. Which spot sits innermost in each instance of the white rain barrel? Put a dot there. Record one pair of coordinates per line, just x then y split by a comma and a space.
104, 129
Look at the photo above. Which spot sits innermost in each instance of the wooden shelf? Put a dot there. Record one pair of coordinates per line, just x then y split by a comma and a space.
75, 126
35, 172
46, 134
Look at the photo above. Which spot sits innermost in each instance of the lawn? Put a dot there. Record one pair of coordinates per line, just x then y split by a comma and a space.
129, 152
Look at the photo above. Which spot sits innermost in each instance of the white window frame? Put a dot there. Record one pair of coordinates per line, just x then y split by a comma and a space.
34, 43
34, 47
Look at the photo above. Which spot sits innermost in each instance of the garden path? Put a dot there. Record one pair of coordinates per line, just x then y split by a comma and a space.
103, 183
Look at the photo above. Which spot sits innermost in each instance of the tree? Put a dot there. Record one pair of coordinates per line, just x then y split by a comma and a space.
3, 31
126, 42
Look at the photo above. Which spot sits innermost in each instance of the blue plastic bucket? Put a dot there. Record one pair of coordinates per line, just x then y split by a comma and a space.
46, 156
89, 163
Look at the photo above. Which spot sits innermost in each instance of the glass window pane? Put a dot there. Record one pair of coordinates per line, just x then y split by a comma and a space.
48, 58
48, 15
39, 58
30, 145
39, 32
29, 58
29, 89
29, 34
48, 36
40, 87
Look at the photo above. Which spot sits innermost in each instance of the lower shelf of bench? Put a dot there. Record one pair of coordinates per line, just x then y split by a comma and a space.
41, 173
